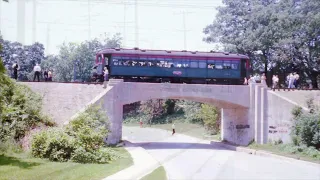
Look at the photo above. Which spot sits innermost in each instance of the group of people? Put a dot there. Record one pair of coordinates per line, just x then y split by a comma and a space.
292, 80
47, 74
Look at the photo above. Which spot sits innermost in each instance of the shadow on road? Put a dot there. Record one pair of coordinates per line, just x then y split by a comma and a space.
176, 145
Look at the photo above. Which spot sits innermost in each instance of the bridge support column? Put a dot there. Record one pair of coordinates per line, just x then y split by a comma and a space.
260, 115
235, 127
113, 106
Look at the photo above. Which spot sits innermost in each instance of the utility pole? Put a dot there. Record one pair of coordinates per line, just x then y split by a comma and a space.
136, 23
184, 13
21, 8
48, 38
0, 16
89, 21
34, 21
124, 23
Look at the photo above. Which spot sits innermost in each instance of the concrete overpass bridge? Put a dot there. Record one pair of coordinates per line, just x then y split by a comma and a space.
248, 112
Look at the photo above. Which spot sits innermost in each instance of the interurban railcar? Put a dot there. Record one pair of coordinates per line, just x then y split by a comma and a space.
139, 65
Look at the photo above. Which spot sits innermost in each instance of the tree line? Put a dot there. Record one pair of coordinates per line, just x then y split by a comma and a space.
74, 61
280, 36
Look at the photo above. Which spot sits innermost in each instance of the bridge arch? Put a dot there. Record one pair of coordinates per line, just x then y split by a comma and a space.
237, 114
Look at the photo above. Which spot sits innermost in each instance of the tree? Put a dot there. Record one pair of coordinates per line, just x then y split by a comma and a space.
152, 109
26, 56
277, 35
75, 61
249, 27
210, 116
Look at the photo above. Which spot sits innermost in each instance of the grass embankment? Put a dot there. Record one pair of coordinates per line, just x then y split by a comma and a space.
24, 166
289, 150
157, 174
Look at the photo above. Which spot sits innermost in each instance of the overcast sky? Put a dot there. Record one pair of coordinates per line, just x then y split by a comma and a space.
160, 22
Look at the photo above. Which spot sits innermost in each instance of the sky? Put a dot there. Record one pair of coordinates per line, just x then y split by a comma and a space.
160, 22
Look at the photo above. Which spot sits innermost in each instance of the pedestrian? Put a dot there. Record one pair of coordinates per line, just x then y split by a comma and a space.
50, 75
263, 79
37, 70
106, 77
173, 129
45, 74
15, 68
141, 123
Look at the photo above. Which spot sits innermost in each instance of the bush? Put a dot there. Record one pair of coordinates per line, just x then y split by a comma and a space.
54, 144
81, 141
20, 111
210, 116
306, 128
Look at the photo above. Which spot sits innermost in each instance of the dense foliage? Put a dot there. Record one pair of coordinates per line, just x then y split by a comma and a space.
280, 36
20, 109
306, 128
25, 55
81, 141
75, 61
210, 116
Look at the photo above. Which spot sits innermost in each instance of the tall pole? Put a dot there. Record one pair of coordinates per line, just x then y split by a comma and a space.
136, 23
124, 23
48, 38
184, 30
0, 16
21, 8
34, 21
89, 21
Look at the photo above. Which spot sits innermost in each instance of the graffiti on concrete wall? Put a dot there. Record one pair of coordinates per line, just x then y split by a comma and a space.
281, 128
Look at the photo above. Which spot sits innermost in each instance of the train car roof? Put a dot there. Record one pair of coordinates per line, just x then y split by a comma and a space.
137, 51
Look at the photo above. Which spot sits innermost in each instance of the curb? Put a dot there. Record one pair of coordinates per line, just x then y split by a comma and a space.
265, 154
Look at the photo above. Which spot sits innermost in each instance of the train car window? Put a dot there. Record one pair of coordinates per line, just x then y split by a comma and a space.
226, 65
177, 64
115, 62
218, 65
202, 64
234, 65
99, 59
194, 64
185, 63
211, 64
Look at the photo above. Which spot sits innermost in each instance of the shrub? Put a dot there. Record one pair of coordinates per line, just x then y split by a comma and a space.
81, 141
54, 144
211, 118
306, 127
20, 111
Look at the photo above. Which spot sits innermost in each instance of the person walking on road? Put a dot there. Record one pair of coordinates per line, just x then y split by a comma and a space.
37, 70
15, 67
173, 129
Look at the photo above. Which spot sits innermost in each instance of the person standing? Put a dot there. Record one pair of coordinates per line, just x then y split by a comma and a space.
45, 74
106, 77
50, 75
15, 67
37, 70
173, 129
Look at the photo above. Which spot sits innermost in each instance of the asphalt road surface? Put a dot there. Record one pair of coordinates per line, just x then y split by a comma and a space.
185, 157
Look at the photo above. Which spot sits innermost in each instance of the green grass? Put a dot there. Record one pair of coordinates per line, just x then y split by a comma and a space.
289, 150
22, 166
193, 130
157, 174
